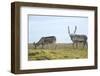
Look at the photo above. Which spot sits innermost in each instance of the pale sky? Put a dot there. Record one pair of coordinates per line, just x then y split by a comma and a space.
43, 26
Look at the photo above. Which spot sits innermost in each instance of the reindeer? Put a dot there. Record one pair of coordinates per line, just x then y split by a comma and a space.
45, 41
77, 38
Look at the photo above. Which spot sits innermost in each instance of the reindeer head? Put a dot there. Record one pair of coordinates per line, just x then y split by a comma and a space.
35, 45
72, 34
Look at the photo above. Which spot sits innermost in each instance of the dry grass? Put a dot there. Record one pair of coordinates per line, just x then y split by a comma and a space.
62, 51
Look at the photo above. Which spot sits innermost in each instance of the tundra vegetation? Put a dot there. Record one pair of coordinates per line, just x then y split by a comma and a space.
62, 51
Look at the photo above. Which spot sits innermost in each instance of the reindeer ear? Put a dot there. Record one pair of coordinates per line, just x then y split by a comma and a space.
75, 29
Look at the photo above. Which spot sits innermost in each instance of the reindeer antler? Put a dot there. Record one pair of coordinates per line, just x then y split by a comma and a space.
68, 30
75, 29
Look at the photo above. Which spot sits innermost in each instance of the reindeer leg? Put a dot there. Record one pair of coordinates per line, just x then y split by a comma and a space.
48, 46
84, 43
34, 46
76, 45
73, 44
42, 46
55, 46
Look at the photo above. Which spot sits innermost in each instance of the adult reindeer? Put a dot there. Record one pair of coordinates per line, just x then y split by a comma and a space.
77, 38
45, 41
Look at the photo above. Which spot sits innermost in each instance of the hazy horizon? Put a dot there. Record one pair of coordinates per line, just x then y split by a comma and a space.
43, 26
